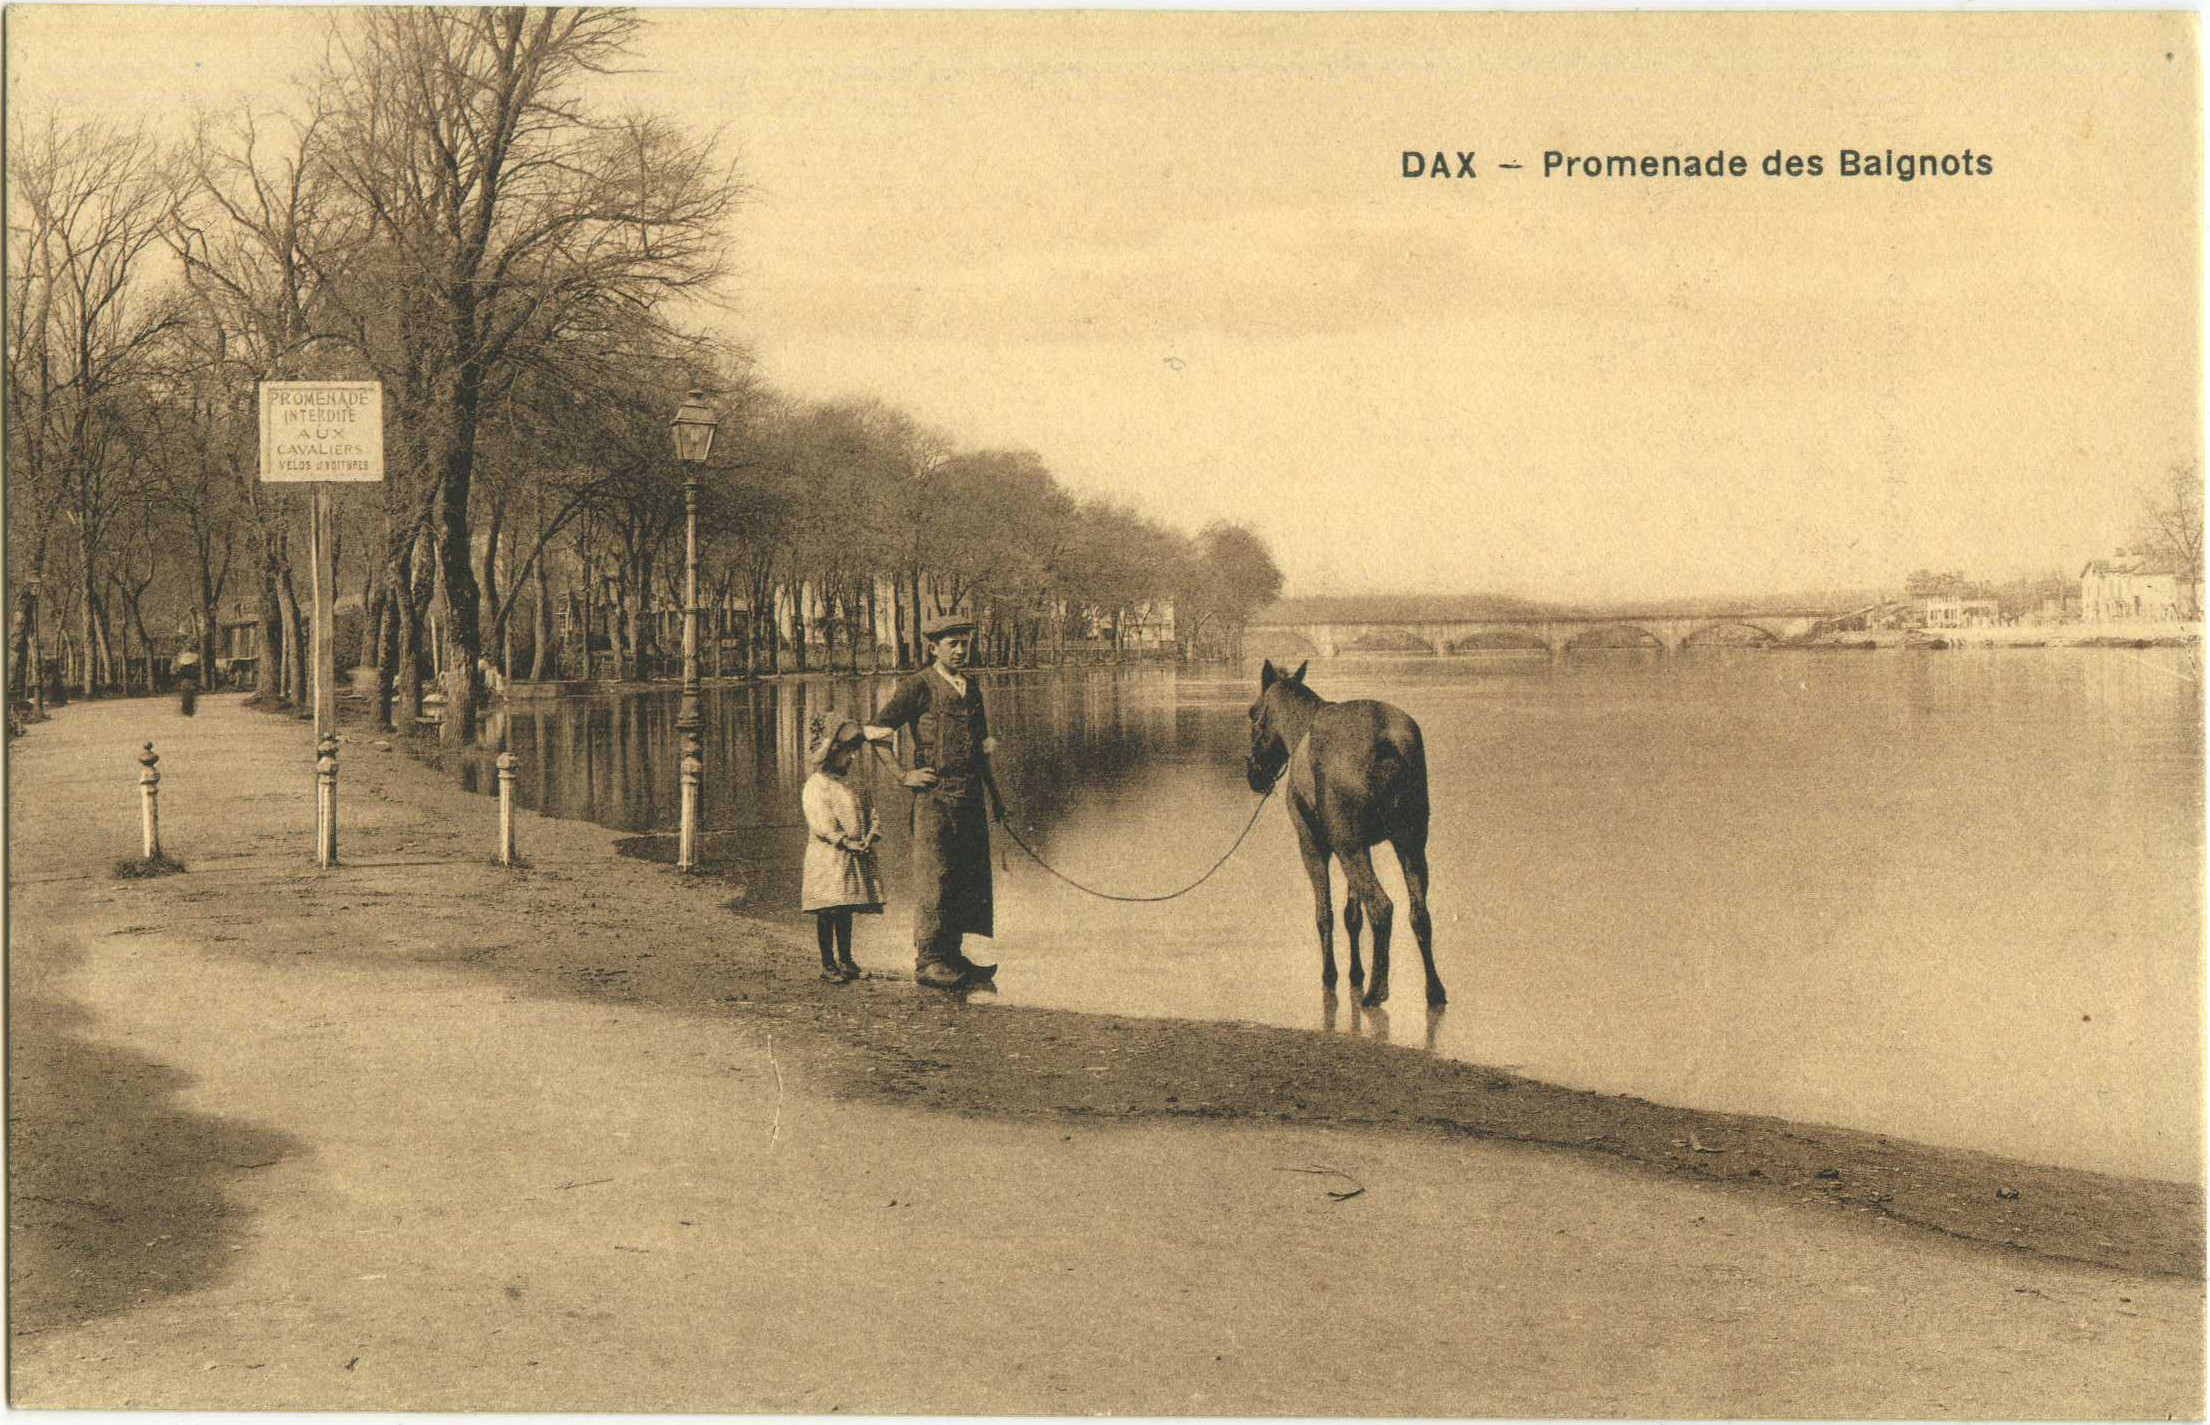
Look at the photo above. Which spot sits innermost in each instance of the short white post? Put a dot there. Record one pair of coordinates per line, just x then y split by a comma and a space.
326, 803
506, 808
687, 849
149, 792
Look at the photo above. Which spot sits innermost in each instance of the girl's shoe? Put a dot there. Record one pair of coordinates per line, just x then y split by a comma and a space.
832, 974
847, 971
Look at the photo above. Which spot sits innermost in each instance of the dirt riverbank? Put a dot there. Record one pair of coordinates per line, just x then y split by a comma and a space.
247, 1097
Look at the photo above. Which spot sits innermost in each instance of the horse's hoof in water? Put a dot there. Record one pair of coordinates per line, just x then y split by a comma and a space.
1376, 997
1436, 999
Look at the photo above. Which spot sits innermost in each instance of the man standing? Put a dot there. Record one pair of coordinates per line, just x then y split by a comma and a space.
950, 778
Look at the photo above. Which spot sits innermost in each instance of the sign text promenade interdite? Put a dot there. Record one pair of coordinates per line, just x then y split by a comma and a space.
322, 433
313, 431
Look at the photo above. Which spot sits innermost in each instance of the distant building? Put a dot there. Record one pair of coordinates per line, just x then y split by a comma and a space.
1939, 612
1149, 625
238, 644
2132, 587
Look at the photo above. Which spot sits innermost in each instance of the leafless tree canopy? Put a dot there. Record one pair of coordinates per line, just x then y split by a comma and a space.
2170, 521
450, 209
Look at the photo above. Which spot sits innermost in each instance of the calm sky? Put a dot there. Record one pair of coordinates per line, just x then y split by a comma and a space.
1176, 255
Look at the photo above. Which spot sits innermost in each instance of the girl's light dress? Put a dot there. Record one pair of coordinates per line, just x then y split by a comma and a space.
837, 878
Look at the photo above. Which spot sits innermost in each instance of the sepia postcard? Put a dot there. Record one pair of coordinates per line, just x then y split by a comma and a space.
1105, 712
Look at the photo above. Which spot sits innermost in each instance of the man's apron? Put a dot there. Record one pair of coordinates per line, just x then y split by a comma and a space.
951, 825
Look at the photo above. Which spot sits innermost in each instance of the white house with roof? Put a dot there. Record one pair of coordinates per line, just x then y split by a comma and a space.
2135, 587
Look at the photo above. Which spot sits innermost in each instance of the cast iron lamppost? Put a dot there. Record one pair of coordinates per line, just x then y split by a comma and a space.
694, 441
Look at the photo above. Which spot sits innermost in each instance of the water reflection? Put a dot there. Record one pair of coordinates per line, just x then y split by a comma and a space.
1955, 896
611, 758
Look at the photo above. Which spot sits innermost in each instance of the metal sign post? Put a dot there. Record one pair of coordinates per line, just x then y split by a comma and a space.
323, 433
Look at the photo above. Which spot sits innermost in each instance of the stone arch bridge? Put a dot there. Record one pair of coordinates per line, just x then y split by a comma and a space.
1555, 632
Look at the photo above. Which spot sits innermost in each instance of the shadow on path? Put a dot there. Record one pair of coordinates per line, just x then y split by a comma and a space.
117, 1197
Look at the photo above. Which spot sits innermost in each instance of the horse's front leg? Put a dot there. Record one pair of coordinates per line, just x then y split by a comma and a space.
1316, 867
1354, 920
1362, 885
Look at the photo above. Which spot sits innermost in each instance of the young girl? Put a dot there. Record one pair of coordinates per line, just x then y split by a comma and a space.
841, 878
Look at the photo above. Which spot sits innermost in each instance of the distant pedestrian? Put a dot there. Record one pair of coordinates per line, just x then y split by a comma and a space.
841, 879
188, 683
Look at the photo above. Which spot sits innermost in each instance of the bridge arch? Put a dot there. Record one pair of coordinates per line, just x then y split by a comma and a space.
1725, 632
1613, 635
1384, 639
1490, 640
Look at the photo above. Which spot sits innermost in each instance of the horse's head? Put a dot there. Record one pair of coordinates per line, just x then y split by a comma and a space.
1270, 744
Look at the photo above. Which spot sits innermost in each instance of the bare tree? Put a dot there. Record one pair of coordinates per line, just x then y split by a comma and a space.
244, 213
2170, 527
504, 213
86, 202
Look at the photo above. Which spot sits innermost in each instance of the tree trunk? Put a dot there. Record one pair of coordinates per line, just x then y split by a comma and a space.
413, 598
874, 625
917, 650
21, 676
539, 664
798, 642
897, 621
640, 594
268, 680
460, 599
775, 633
296, 685
209, 632
379, 635
120, 633
857, 611
109, 679
138, 617
84, 610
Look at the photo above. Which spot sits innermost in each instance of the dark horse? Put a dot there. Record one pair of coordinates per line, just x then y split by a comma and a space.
1356, 777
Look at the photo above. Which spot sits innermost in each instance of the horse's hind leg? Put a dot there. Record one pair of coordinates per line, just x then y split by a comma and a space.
1323, 915
1363, 885
1354, 920
1412, 857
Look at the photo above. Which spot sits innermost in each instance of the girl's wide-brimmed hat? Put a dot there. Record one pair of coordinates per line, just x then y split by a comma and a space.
845, 733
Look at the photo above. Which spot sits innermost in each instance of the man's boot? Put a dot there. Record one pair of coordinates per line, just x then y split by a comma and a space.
937, 974
936, 960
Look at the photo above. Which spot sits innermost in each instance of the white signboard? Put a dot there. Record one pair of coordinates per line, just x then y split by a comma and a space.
322, 430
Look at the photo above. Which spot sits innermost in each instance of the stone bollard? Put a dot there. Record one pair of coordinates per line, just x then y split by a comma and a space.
149, 793
687, 849
506, 808
326, 803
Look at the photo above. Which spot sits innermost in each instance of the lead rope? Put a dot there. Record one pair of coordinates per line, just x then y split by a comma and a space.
1241, 836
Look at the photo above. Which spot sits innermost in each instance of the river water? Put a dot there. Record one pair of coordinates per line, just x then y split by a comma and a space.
1953, 896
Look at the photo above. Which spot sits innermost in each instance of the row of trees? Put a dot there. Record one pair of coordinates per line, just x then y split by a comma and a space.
448, 212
